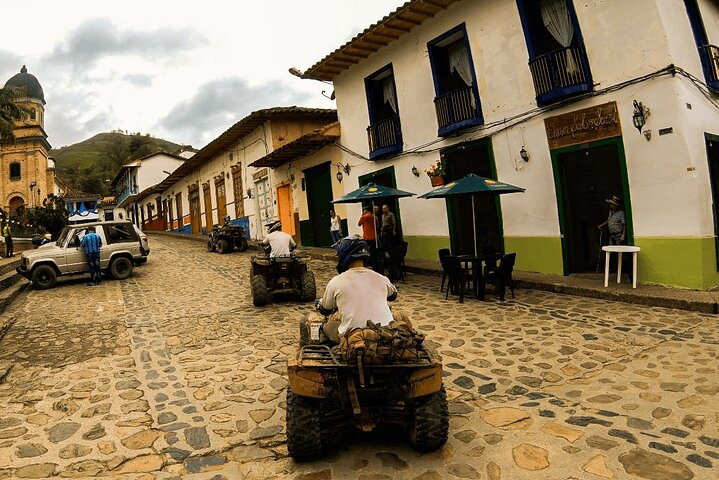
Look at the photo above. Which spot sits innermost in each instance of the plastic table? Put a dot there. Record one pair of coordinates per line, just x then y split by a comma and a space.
620, 249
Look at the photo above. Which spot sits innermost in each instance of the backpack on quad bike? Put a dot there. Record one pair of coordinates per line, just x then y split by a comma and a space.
225, 238
378, 375
286, 275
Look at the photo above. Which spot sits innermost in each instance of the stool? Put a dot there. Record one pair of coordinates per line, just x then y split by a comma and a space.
609, 249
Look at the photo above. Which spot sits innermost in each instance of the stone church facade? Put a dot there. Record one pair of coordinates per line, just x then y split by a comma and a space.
27, 174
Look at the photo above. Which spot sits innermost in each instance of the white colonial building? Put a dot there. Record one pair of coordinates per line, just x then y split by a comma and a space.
573, 101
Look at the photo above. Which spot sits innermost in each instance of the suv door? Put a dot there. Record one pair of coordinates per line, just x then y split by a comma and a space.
75, 260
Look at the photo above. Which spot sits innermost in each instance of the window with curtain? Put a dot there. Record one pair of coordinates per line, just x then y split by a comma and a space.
382, 95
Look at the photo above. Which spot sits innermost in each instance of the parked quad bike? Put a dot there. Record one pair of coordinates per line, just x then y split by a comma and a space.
326, 397
281, 276
224, 239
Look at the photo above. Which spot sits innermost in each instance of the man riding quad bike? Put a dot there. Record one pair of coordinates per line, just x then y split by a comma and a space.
279, 271
380, 373
225, 238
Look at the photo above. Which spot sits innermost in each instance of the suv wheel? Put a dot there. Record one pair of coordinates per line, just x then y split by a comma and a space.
44, 277
121, 268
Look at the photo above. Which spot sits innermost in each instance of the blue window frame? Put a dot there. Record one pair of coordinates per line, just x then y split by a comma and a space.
455, 83
559, 69
708, 53
384, 133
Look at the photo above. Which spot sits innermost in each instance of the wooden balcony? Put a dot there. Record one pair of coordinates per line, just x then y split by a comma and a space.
385, 137
457, 110
711, 53
561, 73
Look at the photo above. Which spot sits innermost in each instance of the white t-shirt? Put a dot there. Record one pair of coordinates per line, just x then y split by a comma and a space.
280, 243
360, 294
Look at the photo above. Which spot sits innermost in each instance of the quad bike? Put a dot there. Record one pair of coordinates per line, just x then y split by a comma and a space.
288, 275
327, 396
224, 239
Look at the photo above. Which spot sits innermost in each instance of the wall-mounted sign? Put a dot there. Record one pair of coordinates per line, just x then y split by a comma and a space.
582, 126
262, 172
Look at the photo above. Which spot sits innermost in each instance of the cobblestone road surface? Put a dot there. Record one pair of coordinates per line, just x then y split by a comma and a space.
174, 374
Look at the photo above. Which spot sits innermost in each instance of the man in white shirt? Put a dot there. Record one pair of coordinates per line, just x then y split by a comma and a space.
280, 242
357, 293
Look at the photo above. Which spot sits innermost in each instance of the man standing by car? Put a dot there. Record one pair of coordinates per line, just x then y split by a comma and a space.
91, 244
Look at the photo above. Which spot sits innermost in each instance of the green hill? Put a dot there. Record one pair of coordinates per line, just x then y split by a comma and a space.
89, 165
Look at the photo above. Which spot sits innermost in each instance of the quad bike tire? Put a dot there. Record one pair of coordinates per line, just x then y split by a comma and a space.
304, 429
44, 277
260, 295
430, 422
242, 245
309, 287
121, 268
210, 248
223, 245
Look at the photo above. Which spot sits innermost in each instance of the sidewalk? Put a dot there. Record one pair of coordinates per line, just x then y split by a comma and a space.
584, 285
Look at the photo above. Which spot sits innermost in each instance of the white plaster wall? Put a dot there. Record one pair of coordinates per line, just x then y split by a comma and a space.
150, 171
623, 40
710, 15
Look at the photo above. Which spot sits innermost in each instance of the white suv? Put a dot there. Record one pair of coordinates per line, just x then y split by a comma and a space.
123, 246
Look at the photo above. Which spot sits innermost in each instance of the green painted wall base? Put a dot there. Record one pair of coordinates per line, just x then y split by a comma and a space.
536, 254
425, 247
677, 262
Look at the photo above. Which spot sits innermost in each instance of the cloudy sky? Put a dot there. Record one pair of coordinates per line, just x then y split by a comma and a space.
180, 70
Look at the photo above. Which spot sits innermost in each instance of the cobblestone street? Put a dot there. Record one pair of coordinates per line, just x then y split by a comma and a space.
174, 374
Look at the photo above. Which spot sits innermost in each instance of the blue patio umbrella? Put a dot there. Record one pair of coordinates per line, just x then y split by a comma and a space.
370, 193
472, 185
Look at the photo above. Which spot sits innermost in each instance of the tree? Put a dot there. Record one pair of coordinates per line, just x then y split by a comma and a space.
11, 111
53, 216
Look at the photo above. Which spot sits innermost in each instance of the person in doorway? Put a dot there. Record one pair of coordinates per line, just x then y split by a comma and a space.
91, 244
389, 227
7, 235
280, 243
615, 222
358, 294
335, 227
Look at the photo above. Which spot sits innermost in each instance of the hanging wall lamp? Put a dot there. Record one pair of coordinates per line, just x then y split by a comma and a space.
415, 172
639, 118
339, 174
524, 154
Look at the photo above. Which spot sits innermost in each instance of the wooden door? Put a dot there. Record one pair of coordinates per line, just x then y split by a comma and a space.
180, 215
221, 201
195, 219
208, 206
284, 205
319, 204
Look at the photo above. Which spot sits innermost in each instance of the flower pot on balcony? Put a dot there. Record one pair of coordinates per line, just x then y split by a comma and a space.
437, 181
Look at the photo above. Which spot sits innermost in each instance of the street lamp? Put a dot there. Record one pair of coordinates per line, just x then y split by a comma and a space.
297, 73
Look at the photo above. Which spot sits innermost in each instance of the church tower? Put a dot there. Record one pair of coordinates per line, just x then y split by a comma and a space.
27, 175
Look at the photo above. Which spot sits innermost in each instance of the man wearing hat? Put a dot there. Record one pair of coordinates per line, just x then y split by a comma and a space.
615, 222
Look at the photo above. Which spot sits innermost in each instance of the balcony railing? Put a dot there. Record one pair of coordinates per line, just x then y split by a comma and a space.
126, 193
712, 56
456, 109
560, 73
385, 137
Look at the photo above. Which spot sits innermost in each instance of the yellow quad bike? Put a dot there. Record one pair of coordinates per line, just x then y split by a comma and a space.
327, 396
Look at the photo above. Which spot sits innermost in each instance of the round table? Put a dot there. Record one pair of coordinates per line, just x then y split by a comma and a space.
620, 249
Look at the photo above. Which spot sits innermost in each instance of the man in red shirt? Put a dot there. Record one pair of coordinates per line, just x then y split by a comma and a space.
366, 221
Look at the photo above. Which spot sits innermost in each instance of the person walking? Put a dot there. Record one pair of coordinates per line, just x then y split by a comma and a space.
7, 235
91, 244
335, 227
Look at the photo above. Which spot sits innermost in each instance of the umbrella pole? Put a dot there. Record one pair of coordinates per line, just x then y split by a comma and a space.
474, 227
374, 224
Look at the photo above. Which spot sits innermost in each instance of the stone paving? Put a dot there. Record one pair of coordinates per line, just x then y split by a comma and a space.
174, 374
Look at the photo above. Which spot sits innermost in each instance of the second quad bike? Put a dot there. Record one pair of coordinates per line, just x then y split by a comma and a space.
328, 396
224, 239
286, 275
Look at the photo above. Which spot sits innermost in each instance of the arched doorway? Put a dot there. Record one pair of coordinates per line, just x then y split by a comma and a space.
16, 203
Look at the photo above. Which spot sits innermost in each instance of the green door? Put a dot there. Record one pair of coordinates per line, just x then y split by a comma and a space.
318, 187
386, 178
477, 158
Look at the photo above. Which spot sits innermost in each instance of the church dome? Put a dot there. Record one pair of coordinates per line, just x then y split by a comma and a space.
29, 83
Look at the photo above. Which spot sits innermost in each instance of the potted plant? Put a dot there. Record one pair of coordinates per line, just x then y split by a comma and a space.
436, 172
